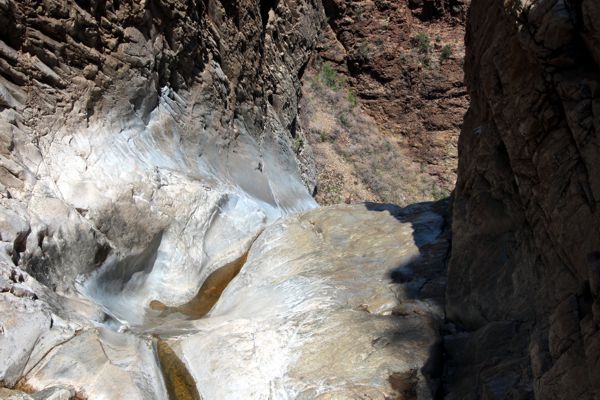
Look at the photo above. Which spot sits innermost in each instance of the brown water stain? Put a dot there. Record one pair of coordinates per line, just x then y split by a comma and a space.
208, 294
180, 383
23, 386
405, 384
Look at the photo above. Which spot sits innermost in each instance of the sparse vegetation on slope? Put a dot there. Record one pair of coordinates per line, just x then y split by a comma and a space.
391, 96
355, 159
422, 42
446, 53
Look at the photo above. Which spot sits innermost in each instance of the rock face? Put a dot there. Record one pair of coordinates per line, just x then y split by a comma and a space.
403, 61
144, 149
141, 132
144, 146
524, 274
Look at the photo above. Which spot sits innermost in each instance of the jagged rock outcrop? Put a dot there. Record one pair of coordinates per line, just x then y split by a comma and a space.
524, 273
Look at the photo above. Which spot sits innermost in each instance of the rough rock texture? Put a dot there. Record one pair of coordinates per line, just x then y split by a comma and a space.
525, 272
402, 62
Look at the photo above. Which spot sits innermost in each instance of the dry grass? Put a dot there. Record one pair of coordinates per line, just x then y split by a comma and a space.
357, 161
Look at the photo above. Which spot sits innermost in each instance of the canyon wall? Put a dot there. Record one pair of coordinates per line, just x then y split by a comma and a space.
524, 275
138, 130
384, 98
151, 151
144, 146
158, 237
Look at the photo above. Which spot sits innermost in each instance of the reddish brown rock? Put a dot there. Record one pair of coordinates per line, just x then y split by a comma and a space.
404, 61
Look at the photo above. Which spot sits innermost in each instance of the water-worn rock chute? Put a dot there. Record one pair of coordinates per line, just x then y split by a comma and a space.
148, 170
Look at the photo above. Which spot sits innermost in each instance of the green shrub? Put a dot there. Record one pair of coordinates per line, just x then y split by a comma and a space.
364, 51
344, 121
446, 53
352, 99
439, 193
359, 13
422, 42
298, 145
323, 136
330, 76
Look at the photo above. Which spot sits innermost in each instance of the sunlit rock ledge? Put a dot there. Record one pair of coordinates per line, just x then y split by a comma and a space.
314, 314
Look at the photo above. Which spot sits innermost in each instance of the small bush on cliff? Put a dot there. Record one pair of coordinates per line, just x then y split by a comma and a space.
422, 42
364, 51
439, 193
446, 53
344, 121
330, 76
352, 99
298, 145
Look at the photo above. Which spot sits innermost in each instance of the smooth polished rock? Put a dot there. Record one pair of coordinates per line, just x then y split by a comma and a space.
314, 313
28, 330
102, 364
7, 394
51, 393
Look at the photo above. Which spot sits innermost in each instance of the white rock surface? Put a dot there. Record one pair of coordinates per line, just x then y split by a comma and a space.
138, 194
51, 393
103, 365
311, 315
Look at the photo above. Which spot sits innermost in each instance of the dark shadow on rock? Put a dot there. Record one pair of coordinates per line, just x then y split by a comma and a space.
424, 277
421, 282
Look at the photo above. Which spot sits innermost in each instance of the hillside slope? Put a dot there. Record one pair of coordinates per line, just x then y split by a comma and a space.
384, 100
